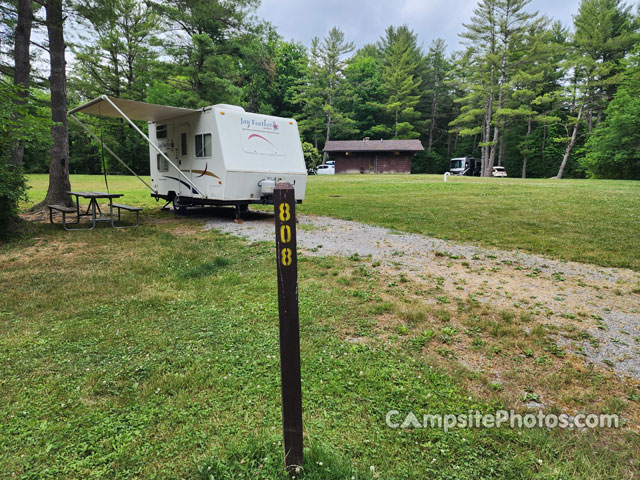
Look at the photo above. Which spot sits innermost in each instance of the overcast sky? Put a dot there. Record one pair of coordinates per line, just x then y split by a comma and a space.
363, 21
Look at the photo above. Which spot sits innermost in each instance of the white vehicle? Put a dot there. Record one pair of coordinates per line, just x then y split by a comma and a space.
499, 172
326, 169
218, 155
466, 166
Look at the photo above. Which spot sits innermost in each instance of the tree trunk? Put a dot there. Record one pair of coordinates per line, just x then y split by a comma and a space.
488, 108
22, 69
325, 155
502, 135
496, 127
572, 142
434, 106
198, 74
395, 132
59, 183
486, 130
544, 143
525, 157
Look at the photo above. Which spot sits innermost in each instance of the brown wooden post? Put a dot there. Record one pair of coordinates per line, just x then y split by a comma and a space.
286, 254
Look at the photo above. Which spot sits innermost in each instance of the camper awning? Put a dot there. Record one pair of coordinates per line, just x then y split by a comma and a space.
129, 110
132, 109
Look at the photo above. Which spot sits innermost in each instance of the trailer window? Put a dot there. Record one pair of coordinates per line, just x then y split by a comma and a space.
203, 145
162, 163
161, 131
183, 144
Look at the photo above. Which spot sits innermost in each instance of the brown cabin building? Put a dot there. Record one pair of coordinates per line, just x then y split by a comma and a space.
373, 156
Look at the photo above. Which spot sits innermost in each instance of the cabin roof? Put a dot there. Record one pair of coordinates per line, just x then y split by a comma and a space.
373, 146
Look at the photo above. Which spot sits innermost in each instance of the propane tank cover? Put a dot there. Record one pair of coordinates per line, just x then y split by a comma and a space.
267, 186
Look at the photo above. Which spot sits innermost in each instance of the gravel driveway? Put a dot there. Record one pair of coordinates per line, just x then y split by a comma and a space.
596, 300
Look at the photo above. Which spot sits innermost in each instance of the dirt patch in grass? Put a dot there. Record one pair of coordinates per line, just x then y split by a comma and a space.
164, 219
36, 216
498, 354
44, 250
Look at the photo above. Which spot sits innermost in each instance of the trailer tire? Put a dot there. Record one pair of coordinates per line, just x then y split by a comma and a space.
178, 207
240, 209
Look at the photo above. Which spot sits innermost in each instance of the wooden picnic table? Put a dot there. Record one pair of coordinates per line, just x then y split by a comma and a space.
93, 208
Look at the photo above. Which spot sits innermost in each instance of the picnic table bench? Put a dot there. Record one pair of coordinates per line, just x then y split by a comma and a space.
64, 210
120, 206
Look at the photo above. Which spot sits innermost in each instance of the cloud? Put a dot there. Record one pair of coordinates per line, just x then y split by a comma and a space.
364, 21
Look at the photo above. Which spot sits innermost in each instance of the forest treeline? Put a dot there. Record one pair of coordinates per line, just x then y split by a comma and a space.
525, 92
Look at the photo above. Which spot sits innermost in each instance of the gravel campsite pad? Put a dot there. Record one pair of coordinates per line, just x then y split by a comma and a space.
597, 300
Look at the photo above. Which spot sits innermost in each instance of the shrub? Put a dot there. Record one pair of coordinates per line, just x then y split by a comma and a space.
312, 156
12, 183
12, 190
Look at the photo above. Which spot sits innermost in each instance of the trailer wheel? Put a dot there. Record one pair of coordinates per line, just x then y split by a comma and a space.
240, 209
178, 207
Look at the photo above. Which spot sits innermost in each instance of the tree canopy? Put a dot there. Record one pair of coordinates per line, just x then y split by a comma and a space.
523, 92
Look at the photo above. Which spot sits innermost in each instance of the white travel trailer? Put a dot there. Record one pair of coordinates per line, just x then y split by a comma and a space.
218, 155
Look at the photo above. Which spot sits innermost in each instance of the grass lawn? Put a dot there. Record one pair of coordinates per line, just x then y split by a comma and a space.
594, 221
153, 353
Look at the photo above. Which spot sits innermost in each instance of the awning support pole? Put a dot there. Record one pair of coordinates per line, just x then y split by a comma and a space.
106, 98
86, 129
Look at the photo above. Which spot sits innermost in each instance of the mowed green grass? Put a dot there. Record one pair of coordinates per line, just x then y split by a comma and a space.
135, 193
594, 221
153, 353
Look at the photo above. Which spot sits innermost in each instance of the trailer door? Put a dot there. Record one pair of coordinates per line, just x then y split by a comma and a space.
184, 160
176, 182
168, 176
